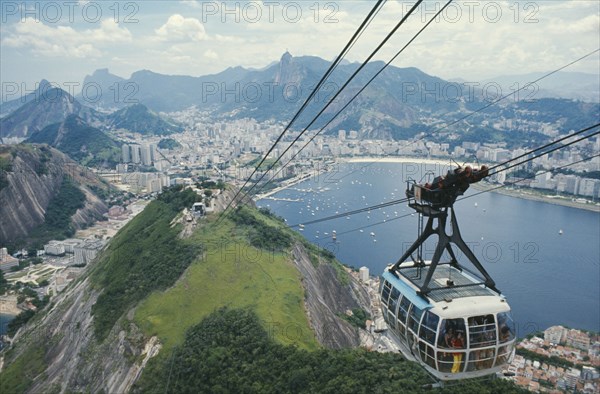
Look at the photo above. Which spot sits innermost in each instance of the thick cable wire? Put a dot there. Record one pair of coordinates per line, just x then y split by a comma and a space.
385, 221
374, 11
365, 62
351, 100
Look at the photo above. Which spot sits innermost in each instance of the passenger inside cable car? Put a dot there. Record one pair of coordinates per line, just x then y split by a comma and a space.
452, 337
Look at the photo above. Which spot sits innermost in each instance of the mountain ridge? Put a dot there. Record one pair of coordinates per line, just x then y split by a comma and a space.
54, 106
80, 141
34, 176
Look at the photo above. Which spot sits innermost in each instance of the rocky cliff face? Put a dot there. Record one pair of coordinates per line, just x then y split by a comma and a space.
326, 298
74, 360
33, 175
49, 106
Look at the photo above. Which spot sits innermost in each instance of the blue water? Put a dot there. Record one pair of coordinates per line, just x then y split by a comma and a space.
548, 278
4, 320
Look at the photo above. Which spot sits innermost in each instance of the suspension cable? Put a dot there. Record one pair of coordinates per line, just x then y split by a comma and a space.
385, 221
352, 99
365, 62
525, 86
374, 11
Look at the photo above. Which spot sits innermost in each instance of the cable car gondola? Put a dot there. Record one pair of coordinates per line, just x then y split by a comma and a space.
451, 320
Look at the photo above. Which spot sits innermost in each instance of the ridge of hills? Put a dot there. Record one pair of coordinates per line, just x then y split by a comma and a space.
399, 104
55, 106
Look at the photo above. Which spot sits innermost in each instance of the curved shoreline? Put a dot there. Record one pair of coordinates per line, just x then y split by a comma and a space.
446, 164
540, 198
507, 192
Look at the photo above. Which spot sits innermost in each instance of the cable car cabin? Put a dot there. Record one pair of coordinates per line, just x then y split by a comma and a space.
460, 329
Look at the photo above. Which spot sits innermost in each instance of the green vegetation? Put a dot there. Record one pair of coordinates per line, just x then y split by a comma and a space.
5, 168
3, 283
17, 376
206, 183
26, 293
80, 141
264, 166
262, 235
522, 173
146, 255
44, 158
168, 143
19, 321
139, 119
569, 114
358, 319
231, 273
512, 138
586, 174
230, 351
57, 222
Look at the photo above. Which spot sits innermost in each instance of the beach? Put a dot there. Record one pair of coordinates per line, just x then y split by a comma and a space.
532, 194
8, 305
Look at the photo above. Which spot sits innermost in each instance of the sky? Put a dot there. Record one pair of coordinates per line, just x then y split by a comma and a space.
63, 41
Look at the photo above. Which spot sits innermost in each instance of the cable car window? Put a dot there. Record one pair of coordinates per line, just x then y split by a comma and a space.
481, 359
401, 329
414, 318
394, 300
445, 361
403, 310
503, 354
385, 314
427, 354
449, 330
452, 337
506, 327
429, 327
482, 331
385, 293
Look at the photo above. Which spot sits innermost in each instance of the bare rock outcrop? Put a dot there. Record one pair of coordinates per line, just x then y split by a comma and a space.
75, 360
326, 298
34, 176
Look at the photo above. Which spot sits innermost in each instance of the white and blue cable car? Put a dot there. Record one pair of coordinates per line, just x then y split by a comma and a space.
449, 319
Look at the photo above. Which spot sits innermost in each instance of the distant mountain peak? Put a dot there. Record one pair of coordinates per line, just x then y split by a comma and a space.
284, 73
101, 71
80, 141
143, 73
140, 119
43, 84
286, 57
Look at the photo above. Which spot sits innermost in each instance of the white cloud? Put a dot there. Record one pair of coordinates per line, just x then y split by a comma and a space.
191, 3
210, 54
46, 40
589, 24
173, 39
179, 28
